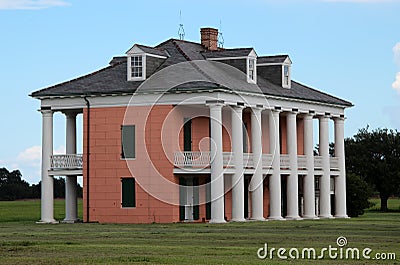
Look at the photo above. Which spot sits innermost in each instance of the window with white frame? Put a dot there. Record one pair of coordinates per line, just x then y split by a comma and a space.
251, 70
136, 67
286, 76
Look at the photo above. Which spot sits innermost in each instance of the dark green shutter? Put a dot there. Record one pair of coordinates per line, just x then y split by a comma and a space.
245, 138
246, 198
128, 192
128, 141
182, 198
208, 199
196, 207
187, 135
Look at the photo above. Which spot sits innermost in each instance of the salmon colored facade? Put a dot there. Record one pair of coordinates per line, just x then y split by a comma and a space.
107, 167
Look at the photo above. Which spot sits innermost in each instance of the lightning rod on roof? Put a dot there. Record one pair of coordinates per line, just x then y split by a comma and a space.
181, 31
220, 37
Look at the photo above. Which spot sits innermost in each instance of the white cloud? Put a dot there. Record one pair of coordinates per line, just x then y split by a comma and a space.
396, 51
31, 4
30, 154
28, 162
396, 83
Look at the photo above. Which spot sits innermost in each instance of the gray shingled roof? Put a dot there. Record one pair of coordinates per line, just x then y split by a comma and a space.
272, 59
187, 71
152, 50
240, 52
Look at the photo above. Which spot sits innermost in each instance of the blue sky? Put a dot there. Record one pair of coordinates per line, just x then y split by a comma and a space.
350, 49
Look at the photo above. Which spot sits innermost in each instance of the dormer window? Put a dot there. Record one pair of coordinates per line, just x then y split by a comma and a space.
137, 67
286, 83
251, 70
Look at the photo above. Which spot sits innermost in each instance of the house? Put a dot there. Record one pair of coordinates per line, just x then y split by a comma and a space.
188, 131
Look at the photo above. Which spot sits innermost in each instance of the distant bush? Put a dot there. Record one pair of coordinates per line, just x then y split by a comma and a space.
358, 193
13, 187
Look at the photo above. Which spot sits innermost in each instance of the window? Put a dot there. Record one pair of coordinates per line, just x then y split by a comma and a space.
136, 67
128, 141
286, 76
128, 192
251, 70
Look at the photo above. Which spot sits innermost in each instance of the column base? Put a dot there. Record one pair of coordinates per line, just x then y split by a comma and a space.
259, 219
276, 218
293, 218
48, 222
342, 216
237, 220
310, 217
216, 221
65, 221
326, 217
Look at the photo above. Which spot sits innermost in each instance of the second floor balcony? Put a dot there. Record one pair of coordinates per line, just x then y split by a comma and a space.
201, 160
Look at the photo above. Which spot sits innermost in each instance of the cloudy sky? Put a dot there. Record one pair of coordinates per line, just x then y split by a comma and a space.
348, 48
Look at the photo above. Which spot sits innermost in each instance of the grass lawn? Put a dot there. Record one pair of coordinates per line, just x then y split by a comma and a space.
22, 241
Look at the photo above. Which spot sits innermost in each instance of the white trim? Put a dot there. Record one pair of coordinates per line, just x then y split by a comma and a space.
289, 85
230, 98
254, 79
155, 55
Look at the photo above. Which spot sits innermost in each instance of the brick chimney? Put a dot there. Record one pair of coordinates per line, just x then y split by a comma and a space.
209, 38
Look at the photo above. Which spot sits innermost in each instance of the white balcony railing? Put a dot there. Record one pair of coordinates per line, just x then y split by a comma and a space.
285, 162
302, 162
63, 162
192, 159
318, 162
334, 163
198, 159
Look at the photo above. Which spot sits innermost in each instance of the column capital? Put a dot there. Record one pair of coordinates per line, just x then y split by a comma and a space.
237, 107
341, 118
215, 103
70, 113
46, 111
258, 107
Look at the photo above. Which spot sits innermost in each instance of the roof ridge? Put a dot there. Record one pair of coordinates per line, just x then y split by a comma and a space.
75, 79
177, 40
156, 48
181, 51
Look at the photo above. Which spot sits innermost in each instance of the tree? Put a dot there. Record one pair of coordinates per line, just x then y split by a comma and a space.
358, 193
12, 186
375, 157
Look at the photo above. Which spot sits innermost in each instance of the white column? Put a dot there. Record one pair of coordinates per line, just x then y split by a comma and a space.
47, 197
256, 187
275, 212
308, 180
340, 181
292, 180
71, 201
238, 177
217, 174
324, 192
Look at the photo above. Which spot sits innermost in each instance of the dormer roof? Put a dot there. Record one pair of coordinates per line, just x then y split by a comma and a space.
274, 59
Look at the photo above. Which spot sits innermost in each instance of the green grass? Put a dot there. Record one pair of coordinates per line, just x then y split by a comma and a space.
24, 242
393, 205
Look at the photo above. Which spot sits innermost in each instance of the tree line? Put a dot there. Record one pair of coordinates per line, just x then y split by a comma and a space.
13, 187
